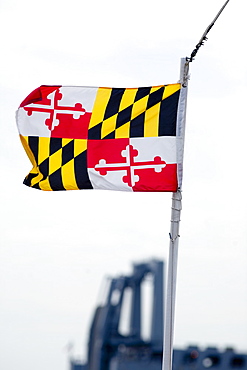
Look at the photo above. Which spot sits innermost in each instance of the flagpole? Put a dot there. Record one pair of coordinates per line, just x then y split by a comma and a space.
176, 210
171, 281
174, 237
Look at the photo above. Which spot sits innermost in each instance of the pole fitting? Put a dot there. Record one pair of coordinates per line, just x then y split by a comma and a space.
173, 239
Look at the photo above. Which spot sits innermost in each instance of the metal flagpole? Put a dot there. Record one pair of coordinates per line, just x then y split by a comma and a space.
171, 281
174, 237
176, 210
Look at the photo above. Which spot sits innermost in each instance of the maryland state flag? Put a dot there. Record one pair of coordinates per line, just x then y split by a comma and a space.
128, 139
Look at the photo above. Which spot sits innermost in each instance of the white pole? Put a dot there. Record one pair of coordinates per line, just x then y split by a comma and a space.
174, 237
171, 282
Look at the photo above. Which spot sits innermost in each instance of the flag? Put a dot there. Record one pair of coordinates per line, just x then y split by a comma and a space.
128, 139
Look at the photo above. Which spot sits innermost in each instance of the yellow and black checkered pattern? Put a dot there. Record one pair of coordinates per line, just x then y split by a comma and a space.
134, 112
58, 164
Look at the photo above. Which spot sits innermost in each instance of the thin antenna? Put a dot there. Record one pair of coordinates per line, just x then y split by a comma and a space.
204, 36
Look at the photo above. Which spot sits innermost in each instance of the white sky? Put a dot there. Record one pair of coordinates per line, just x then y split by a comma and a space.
57, 247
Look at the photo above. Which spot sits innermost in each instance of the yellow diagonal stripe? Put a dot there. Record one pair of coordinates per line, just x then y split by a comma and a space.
139, 107
66, 141
44, 149
68, 176
45, 185
102, 98
151, 126
171, 89
80, 145
36, 179
24, 141
155, 88
55, 161
108, 126
127, 98
35, 169
123, 132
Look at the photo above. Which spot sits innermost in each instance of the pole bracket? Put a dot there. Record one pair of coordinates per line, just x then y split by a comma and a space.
173, 239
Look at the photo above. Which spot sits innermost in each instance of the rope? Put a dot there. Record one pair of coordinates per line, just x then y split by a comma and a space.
204, 36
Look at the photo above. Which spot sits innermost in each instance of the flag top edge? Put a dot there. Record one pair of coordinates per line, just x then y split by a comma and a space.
37, 94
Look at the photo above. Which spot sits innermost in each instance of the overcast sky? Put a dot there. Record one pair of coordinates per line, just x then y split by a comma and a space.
56, 247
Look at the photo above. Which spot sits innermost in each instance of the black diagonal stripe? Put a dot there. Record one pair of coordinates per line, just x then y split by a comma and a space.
33, 142
141, 92
81, 174
68, 152
168, 115
55, 145
28, 179
155, 97
44, 168
55, 180
114, 102
36, 186
124, 116
94, 133
111, 135
137, 126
